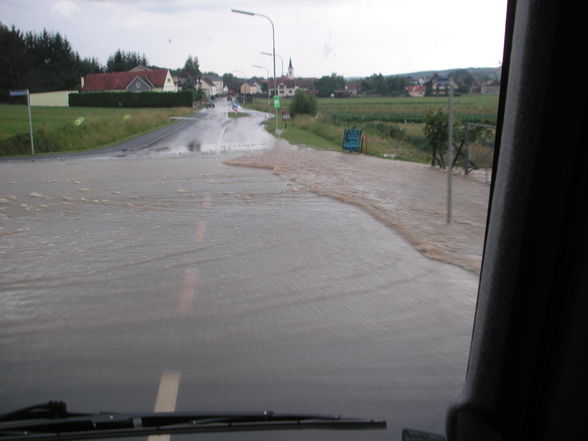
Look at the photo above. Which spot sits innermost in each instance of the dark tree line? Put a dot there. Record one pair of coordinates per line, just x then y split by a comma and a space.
40, 62
377, 84
45, 61
122, 61
327, 85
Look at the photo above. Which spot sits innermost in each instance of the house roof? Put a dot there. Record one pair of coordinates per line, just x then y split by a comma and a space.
207, 82
234, 85
139, 68
120, 80
212, 77
305, 83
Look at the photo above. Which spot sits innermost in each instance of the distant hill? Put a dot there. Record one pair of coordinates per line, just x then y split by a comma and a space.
478, 73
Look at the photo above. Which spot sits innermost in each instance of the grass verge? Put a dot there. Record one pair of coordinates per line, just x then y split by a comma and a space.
71, 129
393, 126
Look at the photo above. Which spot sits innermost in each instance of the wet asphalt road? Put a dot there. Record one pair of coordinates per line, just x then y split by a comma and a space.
165, 274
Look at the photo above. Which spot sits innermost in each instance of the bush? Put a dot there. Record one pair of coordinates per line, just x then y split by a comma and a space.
303, 102
132, 99
436, 129
199, 95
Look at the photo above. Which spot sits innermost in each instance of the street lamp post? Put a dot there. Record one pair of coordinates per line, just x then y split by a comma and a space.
273, 51
281, 60
268, 77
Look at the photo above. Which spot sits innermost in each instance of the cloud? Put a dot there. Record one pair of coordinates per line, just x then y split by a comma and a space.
65, 8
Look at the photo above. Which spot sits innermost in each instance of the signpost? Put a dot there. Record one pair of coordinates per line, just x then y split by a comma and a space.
352, 140
277, 103
285, 118
28, 95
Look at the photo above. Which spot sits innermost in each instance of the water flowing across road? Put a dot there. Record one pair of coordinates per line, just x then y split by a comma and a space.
124, 274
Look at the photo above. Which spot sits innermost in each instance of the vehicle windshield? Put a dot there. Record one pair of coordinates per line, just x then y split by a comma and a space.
237, 207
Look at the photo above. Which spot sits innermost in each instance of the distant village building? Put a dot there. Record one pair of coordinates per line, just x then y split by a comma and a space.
437, 86
216, 81
233, 87
353, 88
138, 79
288, 85
490, 88
440, 86
208, 87
416, 91
250, 88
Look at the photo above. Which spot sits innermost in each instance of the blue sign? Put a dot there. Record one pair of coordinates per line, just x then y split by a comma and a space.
18, 92
352, 140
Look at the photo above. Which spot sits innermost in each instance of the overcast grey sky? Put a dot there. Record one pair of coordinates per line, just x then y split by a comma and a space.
350, 38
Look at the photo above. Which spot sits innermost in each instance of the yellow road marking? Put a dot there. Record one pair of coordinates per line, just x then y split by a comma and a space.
200, 231
206, 200
166, 398
188, 292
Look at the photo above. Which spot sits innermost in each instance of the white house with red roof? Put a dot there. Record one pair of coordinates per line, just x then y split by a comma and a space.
135, 80
417, 90
288, 87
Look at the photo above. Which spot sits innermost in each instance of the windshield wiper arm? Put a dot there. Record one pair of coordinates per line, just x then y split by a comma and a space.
53, 422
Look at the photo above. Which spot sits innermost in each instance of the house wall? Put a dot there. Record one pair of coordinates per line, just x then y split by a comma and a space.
169, 85
52, 99
209, 90
139, 85
247, 89
283, 90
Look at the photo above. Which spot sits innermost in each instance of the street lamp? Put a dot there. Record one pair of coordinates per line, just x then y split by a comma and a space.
268, 76
281, 59
238, 11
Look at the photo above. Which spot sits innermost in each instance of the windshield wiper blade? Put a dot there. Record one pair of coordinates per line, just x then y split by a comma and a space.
48, 423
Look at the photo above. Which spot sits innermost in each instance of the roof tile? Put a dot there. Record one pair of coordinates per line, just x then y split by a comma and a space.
120, 80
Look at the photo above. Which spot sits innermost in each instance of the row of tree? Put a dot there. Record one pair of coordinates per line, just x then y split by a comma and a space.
373, 85
377, 84
39, 62
46, 61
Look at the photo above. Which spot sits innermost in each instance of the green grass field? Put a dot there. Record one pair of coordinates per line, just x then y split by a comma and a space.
56, 130
394, 126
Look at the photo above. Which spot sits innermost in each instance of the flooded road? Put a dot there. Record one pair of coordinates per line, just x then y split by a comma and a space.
122, 277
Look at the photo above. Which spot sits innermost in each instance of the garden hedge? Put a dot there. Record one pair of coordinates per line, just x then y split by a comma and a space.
132, 99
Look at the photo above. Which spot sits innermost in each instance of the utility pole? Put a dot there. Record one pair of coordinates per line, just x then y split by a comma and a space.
449, 148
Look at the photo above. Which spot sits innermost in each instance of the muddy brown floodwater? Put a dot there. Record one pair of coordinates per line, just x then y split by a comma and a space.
410, 198
121, 269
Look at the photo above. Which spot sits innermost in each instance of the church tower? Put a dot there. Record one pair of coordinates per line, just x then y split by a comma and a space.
290, 70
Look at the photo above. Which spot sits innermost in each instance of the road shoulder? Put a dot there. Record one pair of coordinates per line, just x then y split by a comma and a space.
407, 197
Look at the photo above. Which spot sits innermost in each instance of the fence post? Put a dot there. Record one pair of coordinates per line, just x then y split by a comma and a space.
30, 122
466, 141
